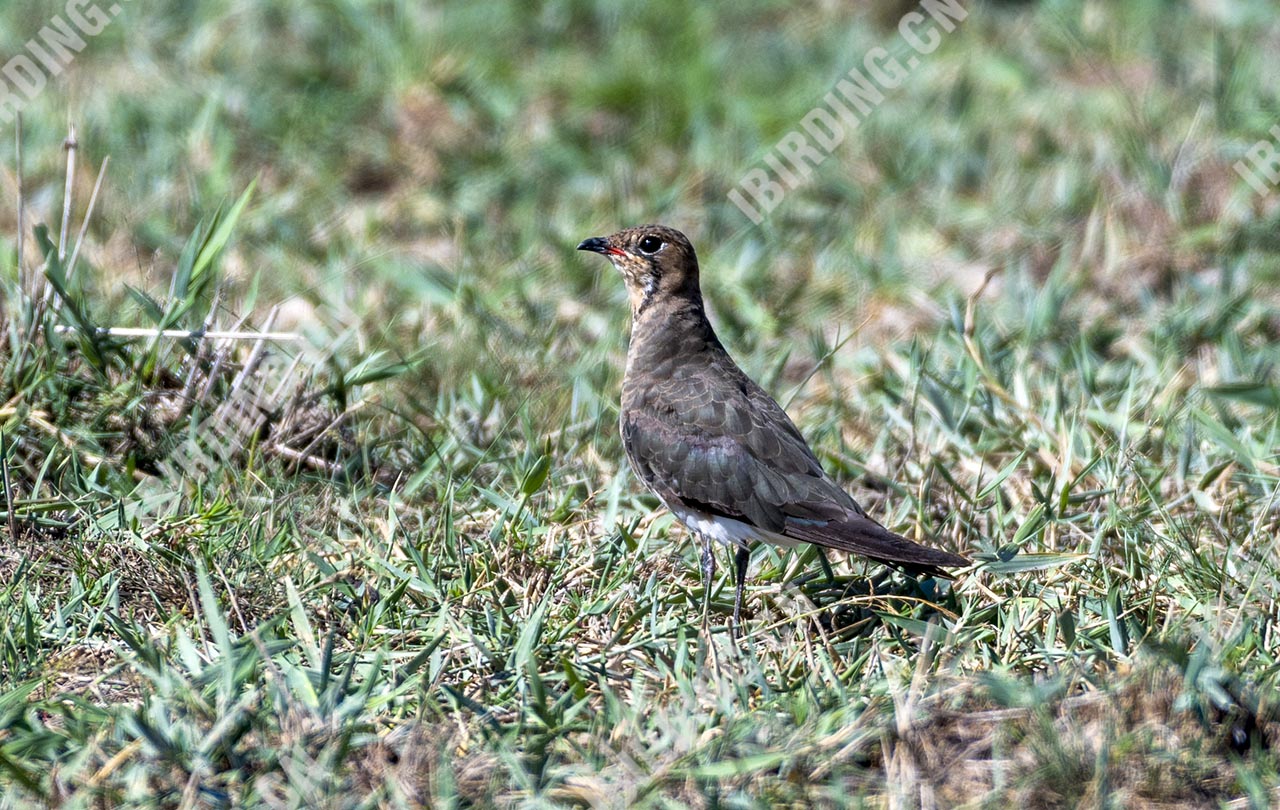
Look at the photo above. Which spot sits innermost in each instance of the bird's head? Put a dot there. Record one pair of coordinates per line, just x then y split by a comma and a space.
656, 263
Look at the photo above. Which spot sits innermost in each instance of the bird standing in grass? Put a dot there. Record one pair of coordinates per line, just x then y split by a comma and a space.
715, 448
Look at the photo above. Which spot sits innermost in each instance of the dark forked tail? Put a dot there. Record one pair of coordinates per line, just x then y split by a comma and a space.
859, 534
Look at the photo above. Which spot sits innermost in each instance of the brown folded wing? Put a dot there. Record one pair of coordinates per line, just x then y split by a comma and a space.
719, 444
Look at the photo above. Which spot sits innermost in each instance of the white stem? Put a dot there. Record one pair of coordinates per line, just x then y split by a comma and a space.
212, 334
71, 145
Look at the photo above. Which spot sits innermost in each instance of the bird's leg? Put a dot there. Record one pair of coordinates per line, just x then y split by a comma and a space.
708, 560
741, 559
708, 575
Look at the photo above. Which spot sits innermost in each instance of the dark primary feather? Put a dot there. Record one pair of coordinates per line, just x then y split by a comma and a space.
702, 434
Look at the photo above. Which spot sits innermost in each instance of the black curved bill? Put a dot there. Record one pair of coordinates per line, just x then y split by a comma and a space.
595, 244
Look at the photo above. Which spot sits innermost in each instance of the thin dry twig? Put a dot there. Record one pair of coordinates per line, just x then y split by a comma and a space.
110, 766
255, 356
88, 215
42, 299
204, 351
314, 462
219, 356
8, 490
68, 193
22, 227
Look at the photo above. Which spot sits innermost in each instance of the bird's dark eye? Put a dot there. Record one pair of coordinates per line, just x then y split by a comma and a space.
650, 245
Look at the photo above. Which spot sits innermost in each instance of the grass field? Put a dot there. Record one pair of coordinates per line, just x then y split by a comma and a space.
1027, 311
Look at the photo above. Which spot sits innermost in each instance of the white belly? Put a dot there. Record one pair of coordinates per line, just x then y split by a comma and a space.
727, 530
